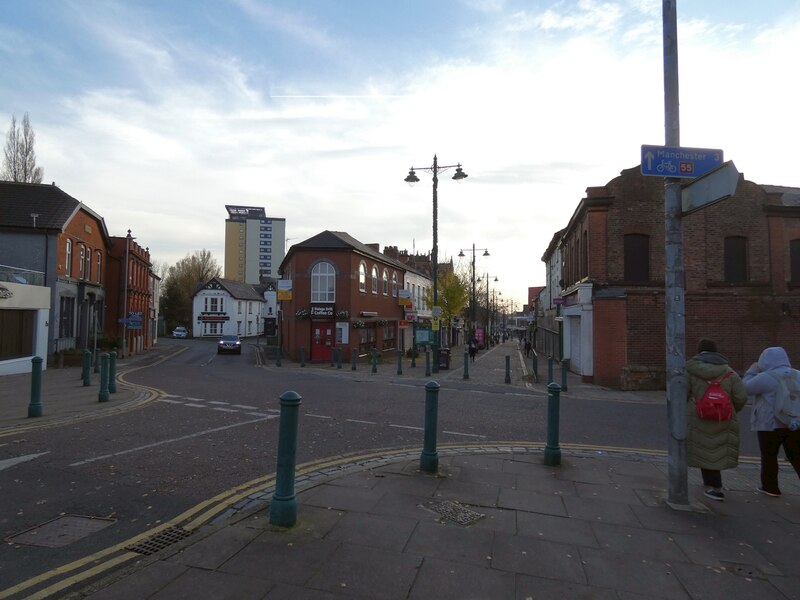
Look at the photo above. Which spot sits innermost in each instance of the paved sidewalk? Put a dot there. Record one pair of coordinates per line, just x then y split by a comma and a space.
494, 522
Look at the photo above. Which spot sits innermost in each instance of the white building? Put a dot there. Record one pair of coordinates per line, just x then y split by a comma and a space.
225, 307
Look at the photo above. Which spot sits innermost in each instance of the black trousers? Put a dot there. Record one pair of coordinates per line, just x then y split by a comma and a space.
770, 442
711, 478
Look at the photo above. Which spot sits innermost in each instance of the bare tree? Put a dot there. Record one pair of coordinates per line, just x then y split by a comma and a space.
20, 157
181, 282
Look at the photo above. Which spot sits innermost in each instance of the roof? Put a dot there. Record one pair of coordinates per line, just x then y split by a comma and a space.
40, 206
339, 240
790, 196
20, 201
237, 289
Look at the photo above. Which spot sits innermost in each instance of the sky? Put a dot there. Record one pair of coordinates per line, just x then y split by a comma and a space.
158, 114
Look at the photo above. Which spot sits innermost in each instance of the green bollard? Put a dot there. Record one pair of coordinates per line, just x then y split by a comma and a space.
508, 369
549, 370
399, 362
535, 367
104, 378
552, 452
466, 364
427, 362
278, 358
302, 357
339, 353
96, 360
283, 509
87, 368
333, 357
112, 372
564, 369
374, 360
353, 358
35, 406
429, 459
413, 356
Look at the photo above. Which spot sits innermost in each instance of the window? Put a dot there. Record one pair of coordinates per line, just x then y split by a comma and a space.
82, 268
385, 283
637, 258
240, 307
794, 260
323, 282
374, 279
735, 259
249, 308
88, 264
394, 285
17, 339
99, 266
68, 259
66, 325
362, 277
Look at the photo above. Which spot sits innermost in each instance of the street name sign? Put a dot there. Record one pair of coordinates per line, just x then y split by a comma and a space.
665, 161
713, 186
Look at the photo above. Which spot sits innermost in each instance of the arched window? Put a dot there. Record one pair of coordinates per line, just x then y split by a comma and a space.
68, 259
394, 285
362, 277
374, 279
385, 282
323, 282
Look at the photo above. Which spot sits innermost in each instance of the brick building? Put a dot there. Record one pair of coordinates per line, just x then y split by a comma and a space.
345, 295
742, 278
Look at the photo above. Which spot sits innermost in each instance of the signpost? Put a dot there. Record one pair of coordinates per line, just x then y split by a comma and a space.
666, 161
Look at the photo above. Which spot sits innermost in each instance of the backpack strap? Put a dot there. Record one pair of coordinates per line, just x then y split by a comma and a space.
718, 381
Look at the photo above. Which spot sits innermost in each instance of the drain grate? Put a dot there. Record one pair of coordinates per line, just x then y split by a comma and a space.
455, 511
61, 531
161, 540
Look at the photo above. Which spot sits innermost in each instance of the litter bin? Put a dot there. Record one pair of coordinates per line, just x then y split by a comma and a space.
444, 358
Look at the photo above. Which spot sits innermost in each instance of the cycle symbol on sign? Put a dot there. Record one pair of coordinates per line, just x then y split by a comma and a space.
666, 166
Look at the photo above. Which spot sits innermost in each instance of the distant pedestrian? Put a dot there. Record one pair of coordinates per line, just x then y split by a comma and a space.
712, 445
473, 349
771, 380
527, 348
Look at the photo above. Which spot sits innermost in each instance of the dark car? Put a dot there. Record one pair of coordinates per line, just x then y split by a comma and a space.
229, 343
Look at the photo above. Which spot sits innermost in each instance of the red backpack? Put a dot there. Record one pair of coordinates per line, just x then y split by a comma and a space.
715, 405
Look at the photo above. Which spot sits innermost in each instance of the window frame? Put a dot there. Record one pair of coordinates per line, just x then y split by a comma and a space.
321, 289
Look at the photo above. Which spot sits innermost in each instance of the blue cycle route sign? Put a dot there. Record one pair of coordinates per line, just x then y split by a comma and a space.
664, 161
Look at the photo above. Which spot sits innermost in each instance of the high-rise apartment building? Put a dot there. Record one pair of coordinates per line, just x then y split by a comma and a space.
255, 244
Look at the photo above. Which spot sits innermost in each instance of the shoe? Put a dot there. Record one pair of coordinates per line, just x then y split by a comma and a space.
766, 493
714, 494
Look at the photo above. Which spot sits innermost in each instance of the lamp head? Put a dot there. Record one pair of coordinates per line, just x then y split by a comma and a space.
486, 253
460, 254
412, 178
459, 175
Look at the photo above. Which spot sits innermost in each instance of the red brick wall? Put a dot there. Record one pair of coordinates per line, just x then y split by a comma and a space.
610, 340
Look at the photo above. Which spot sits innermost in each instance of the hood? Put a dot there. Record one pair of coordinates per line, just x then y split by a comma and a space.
712, 358
772, 358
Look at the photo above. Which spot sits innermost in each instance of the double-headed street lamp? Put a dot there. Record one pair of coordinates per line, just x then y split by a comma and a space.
473, 302
488, 309
411, 179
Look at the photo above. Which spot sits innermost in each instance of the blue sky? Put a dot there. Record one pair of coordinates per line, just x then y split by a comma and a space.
157, 114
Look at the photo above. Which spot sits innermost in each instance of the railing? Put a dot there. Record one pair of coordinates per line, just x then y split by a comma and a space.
548, 343
24, 276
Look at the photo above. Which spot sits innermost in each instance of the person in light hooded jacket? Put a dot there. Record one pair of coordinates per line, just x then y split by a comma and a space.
762, 381
712, 445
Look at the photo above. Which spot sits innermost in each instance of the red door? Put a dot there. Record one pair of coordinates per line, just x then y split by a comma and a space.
322, 338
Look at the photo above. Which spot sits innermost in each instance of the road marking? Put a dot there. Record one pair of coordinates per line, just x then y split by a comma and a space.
217, 402
257, 414
168, 401
245, 406
225, 409
194, 399
169, 441
318, 416
405, 427
475, 435
10, 462
195, 405
358, 421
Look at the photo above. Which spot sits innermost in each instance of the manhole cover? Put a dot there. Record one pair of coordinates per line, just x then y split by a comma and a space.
61, 531
456, 512
161, 540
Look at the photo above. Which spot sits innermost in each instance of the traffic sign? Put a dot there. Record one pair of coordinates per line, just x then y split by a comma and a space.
665, 161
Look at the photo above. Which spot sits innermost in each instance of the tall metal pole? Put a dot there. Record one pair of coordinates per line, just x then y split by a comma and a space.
125, 299
678, 494
435, 260
473, 291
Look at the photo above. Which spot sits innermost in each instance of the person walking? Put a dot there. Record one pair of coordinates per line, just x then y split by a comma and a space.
712, 445
768, 380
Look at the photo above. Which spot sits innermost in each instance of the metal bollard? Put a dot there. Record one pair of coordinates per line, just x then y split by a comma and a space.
104, 377
278, 358
508, 369
374, 360
112, 372
466, 364
413, 356
283, 509
429, 459
564, 369
535, 367
96, 360
87, 368
549, 370
333, 357
35, 406
399, 362
353, 359
302, 357
339, 353
427, 362
552, 452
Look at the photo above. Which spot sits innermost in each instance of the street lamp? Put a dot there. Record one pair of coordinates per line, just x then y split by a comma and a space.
488, 308
473, 302
411, 179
